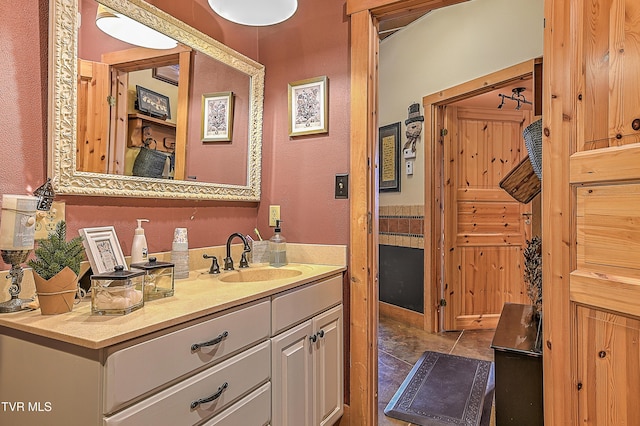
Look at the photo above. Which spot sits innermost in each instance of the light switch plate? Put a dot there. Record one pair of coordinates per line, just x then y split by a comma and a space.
342, 186
409, 167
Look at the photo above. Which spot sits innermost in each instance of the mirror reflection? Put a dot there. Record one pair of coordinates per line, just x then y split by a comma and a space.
195, 109
140, 110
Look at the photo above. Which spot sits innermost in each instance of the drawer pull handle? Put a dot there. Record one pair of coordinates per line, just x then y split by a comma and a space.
213, 397
215, 341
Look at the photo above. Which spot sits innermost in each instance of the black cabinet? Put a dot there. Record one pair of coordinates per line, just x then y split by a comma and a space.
518, 364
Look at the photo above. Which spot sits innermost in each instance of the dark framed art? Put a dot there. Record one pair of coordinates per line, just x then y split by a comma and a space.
152, 103
168, 73
389, 152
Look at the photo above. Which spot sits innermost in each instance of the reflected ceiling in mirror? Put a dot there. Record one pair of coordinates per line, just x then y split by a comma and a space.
201, 159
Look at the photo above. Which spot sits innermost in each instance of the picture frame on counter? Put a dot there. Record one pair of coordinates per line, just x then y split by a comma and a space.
103, 248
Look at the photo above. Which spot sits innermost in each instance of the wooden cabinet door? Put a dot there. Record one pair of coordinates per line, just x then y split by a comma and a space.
328, 366
485, 229
292, 377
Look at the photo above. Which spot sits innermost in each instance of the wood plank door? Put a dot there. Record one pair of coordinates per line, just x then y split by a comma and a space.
92, 143
485, 229
604, 188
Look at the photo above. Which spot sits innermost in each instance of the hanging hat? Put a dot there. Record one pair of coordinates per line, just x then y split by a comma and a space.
533, 141
414, 114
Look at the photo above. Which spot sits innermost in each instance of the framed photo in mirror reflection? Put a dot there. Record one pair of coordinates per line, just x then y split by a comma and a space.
217, 117
152, 103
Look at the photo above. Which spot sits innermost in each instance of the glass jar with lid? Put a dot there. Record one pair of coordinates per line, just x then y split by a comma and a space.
116, 292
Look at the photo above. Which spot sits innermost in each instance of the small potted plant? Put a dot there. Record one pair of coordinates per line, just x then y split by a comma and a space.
55, 270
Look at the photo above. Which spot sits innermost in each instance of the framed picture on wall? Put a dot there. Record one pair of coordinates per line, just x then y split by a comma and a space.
217, 117
308, 106
169, 74
152, 103
389, 146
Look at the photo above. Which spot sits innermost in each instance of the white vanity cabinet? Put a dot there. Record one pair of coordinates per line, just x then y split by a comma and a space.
307, 355
216, 354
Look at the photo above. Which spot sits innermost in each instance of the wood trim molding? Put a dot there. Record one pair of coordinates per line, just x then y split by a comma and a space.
405, 316
363, 251
384, 8
557, 139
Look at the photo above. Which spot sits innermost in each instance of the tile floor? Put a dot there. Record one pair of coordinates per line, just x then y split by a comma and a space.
400, 346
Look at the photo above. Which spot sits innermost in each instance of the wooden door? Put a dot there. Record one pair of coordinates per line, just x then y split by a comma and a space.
292, 377
92, 143
604, 175
485, 229
328, 366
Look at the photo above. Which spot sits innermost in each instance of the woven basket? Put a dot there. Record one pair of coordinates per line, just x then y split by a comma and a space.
522, 183
149, 163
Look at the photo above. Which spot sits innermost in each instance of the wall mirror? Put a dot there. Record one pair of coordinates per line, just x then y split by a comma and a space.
199, 68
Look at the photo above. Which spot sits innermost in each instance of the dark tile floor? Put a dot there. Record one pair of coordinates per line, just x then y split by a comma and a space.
400, 346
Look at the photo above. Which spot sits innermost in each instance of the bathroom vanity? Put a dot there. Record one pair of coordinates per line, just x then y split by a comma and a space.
260, 348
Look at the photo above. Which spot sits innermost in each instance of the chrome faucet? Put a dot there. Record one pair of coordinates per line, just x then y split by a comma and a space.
228, 261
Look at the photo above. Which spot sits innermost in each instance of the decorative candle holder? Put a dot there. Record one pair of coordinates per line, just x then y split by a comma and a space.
15, 258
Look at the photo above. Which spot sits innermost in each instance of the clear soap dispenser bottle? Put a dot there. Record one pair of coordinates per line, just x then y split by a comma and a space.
277, 248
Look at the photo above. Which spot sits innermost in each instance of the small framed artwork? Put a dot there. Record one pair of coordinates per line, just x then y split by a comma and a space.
389, 146
169, 74
152, 103
308, 106
217, 117
103, 248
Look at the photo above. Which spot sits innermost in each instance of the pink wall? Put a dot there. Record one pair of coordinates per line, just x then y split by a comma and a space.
298, 173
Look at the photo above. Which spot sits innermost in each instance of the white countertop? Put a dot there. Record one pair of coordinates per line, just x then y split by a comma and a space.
199, 295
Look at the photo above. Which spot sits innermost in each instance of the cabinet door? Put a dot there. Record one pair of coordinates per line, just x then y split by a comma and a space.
328, 366
292, 376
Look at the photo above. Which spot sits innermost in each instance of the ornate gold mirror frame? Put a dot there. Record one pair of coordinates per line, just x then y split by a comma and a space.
63, 47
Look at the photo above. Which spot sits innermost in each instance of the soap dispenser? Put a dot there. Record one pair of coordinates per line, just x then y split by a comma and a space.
139, 251
277, 248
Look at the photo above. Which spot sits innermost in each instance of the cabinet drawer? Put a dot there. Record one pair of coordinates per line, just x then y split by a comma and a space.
138, 369
299, 304
253, 410
243, 373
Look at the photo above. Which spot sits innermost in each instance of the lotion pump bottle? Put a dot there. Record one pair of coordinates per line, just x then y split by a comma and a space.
139, 251
277, 248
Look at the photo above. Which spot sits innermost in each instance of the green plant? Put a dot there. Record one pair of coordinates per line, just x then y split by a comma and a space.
533, 272
55, 252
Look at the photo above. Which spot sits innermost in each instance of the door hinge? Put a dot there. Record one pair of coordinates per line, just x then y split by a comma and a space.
443, 132
369, 222
443, 302
111, 100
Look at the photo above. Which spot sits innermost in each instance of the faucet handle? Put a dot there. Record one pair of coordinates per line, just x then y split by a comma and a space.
243, 260
215, 267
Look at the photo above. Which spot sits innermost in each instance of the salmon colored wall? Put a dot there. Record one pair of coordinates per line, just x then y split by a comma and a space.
298, 173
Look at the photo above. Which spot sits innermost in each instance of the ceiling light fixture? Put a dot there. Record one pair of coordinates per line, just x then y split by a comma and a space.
517, 96
257, 13
126, 29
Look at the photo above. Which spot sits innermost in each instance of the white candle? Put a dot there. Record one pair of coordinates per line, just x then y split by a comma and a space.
17, 224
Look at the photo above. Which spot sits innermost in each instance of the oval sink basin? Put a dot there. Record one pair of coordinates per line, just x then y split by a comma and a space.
253, 275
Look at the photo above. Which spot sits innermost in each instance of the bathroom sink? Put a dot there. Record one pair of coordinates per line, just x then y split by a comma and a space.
262, 274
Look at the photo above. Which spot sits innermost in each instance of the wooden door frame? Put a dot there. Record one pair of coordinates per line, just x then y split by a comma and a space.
363, 238
433, 185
